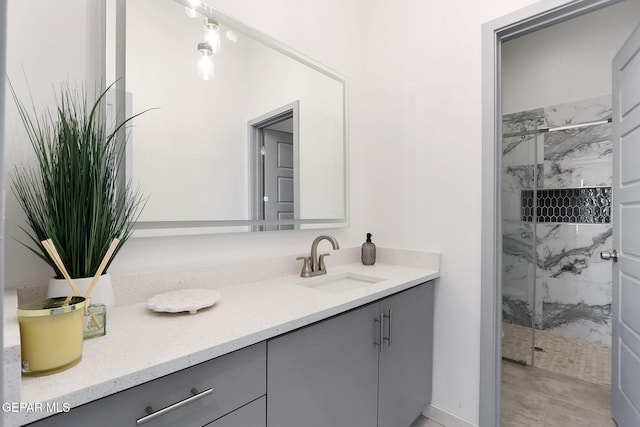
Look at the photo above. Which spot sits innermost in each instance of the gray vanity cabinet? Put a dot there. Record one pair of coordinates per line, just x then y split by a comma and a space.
325, 374
406, 358
334, 373
225, 391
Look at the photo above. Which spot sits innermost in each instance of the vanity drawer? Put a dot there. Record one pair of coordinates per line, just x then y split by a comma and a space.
252, 415
235, 380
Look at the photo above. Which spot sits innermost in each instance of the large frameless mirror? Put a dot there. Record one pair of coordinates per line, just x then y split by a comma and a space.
244, 133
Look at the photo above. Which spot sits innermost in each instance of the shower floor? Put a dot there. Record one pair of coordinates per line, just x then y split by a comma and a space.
569, 356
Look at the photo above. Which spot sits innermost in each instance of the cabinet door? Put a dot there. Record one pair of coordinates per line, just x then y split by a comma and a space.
325, 374
252, 415
405, 360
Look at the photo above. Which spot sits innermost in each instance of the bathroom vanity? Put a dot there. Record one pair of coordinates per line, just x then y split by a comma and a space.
350, 348
370, 366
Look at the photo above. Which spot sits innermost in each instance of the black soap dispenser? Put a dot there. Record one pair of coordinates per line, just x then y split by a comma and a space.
368, 251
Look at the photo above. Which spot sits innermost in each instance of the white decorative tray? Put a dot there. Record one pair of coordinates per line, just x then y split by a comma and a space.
190, 300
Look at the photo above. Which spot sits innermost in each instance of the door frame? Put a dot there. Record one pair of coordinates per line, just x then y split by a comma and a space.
255, 138
521, 22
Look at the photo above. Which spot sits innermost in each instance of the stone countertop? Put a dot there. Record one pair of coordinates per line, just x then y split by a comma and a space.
141, 345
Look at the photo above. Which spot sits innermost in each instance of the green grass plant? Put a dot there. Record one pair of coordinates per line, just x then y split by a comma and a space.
73, 194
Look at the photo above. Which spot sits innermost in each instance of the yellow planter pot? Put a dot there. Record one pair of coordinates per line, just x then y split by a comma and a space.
51, 333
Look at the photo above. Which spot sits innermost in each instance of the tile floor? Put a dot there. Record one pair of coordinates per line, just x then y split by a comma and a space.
534, 397
568, 387
564, 355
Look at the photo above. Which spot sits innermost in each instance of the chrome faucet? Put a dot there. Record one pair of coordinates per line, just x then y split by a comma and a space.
314, 265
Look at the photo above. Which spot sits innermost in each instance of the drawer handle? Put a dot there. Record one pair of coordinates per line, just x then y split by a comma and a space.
153, 415
381, 338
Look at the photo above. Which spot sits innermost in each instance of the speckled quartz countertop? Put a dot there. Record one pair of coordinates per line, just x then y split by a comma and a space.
142, 345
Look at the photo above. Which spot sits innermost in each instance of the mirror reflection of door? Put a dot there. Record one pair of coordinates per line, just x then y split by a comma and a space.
273, 160
278, 194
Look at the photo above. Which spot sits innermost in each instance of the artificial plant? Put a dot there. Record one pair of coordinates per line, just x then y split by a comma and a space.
74, 194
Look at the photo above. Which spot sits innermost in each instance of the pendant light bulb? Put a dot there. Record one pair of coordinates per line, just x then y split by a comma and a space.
205, 61
212, 34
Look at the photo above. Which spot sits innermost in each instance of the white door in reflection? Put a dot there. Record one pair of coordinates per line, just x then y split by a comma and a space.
278, 198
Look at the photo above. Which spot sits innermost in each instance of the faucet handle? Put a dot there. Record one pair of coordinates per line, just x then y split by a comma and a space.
306, 266
321, 261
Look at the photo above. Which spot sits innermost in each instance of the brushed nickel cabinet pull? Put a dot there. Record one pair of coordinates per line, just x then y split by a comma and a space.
153, 415
388, 339
380, 321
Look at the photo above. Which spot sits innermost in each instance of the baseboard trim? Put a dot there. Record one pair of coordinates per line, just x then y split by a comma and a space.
446, 418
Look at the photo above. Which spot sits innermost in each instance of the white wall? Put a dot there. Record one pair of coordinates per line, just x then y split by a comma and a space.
567, 62
43, 50
414, 69
321, 125
193, 138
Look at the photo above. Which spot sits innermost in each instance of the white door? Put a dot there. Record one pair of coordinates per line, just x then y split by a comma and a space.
278, 177
625, 381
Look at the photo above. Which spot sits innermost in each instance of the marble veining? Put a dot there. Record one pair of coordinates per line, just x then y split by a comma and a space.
522, 175
578, 157
556, 315
564, 286
572, 160
564, 250
582, 111
516, 311
524, 121
517, 240
514, 179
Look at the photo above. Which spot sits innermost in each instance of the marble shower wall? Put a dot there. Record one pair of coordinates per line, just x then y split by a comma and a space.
572, 294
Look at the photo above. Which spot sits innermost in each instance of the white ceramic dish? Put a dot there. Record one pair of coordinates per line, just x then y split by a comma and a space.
190, 300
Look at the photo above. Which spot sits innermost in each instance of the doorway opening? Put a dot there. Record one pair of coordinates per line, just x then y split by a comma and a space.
527, 234
273, 160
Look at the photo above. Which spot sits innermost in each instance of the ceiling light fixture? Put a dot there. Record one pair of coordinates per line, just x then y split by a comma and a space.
212, 34
205, 61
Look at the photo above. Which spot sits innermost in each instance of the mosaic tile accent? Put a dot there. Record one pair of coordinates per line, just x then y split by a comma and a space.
591, 205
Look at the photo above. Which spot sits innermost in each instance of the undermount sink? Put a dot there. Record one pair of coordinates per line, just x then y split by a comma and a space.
342, 282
